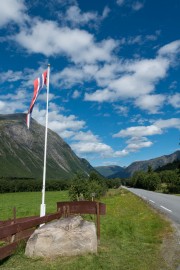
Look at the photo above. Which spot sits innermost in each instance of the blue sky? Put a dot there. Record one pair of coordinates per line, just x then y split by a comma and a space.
114, 82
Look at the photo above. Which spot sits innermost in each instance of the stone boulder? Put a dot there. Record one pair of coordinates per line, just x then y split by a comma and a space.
64, 237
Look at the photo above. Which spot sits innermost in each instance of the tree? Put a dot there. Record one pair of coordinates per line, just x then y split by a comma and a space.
78, 187
113, 183
150, 170
138, 179
152, 181
82, 187
171, 179
146, 180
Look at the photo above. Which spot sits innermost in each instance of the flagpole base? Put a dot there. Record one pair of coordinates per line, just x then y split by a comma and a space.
42, 210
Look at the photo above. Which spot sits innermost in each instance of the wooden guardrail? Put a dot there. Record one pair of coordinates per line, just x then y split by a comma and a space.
12, 234
83, 207
15, 230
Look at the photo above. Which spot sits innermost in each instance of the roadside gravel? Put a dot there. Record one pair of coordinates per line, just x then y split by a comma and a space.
171, 248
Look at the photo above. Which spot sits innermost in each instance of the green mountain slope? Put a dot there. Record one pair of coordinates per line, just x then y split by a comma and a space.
143, 165
22, 151
109, 170
170, 166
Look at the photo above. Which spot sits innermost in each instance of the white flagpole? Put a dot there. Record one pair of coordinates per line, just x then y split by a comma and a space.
43, 205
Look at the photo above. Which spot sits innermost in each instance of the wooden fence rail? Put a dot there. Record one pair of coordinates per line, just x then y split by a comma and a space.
83, 207
16, 220
12, 234
15, 230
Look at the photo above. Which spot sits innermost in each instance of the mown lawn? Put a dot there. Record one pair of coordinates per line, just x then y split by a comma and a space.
131, 234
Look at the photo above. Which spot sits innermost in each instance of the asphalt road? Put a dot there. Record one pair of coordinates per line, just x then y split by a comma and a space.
169, 204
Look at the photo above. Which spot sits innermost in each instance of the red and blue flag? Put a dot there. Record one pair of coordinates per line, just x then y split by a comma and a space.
38, 85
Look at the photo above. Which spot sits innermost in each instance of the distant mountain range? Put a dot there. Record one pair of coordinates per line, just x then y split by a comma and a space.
22, 151
155, 163
109, 170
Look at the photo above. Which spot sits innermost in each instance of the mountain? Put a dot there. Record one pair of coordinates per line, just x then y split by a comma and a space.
143, 165
22, 151
170, 166
109, 170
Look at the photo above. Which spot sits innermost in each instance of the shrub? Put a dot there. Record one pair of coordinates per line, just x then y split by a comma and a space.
82, 187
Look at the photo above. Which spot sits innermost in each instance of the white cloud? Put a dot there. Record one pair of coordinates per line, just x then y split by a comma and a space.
150, 103
73, 75
121, 110
100, 96
43, 97
173, 85
59, 123
108, 72
76, 94
170, 48
121, 153
120, 2
54, 107
137, 139
66, 134
140, 79
168, 123
85, 136
64, 41
136, 143
106, 12
12, 11
174, 100
149, 69
8, 107
156, 128
139, 131
18, 95
10, 76
92, 147
137, 5
76, 17
88, 143
136, 78
134, 40
69, 77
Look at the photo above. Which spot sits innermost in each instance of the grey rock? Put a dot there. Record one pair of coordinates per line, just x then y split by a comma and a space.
65, 237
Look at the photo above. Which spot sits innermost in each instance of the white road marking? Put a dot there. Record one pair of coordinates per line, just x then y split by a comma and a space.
151, 201
165, 208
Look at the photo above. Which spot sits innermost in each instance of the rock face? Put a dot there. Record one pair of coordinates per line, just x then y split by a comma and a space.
65, 237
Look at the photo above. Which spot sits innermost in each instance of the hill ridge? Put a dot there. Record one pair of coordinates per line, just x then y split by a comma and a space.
141, 165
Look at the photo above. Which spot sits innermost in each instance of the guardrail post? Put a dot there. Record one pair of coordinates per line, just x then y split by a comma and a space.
98, 222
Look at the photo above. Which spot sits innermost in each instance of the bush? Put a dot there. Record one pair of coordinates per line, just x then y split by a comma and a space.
152, 181
166, 181
113, 183
82, 187
146, 180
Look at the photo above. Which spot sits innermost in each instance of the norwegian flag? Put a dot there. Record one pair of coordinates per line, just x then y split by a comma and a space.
38, 85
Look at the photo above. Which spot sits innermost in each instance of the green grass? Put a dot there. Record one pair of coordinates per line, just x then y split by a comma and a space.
131, 235
28, 203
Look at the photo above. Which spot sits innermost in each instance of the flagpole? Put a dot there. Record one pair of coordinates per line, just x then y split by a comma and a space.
43, 205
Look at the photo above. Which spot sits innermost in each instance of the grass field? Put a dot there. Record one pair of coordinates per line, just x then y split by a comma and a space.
131, 234
28, 203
